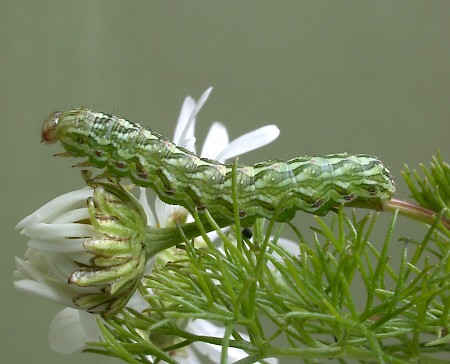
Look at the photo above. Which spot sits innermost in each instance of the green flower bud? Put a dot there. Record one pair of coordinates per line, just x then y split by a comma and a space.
93, 256
118, 261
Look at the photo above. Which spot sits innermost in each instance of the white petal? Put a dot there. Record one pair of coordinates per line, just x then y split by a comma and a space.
213, 352
50, 270
58, 245
70, 329
44, 291
204, 327
185, 128
216, 141
82, 258
207, 328
186, 137
72, 216
28, 270
187, 356
201, 101
169, 215
56, 207
250, 141
151, 220
137, 301
183, 119
162, 211
289, 245
188, 143
49, 231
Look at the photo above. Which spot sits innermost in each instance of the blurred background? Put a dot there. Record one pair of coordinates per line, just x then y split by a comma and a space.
362, 77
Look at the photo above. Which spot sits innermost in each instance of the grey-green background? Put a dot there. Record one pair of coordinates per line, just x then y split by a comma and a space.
335, 76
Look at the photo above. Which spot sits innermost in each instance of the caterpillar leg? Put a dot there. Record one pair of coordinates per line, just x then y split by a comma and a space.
283, 211
63, 154
85, 163
90, 180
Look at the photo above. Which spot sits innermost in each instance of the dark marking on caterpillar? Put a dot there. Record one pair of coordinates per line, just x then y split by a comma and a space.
314, 184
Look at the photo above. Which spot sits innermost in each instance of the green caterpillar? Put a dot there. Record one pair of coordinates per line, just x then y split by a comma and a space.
312, 183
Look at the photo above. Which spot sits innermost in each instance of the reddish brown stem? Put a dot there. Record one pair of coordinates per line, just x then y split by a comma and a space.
417, 212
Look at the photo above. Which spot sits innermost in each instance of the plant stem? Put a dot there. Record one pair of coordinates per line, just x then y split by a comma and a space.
416, 212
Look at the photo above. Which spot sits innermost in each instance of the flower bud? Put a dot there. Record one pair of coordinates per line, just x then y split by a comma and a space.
91, 258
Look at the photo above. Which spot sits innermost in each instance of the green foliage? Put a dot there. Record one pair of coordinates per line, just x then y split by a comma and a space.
344, 295
432, 191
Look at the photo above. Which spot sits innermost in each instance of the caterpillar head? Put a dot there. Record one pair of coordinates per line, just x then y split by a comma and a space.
70, 128
48, 133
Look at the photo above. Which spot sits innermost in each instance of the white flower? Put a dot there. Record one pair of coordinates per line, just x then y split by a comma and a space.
92, 266
86, 249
